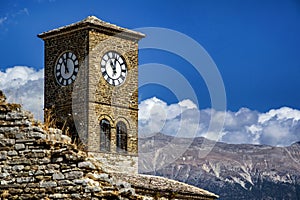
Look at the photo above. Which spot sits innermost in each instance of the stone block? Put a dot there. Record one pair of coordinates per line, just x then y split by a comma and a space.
86, 165
50, 171
25, 179
4, 182
57, 159
32, 185
12, 153
59, 196
18, 167
99, 177
75, 196
15, 191
66, 139
7, 142
47, 184
38, 172
73, 175
38, 129
36, 135
58, 176
92, 189
4, 175
44, 161
20, 136
14, 116
9, 132
36, 155
25, 141
53, 166
81, 181
20, 147
3, 155
65, 183
43, 178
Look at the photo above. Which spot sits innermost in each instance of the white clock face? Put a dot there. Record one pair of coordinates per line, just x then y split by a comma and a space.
113, 68
66, 69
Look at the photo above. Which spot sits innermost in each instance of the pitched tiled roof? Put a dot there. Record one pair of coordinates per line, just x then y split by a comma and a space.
92, 22
149, 184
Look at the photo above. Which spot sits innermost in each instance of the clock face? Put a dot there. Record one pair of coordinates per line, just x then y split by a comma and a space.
66, 69
113, 68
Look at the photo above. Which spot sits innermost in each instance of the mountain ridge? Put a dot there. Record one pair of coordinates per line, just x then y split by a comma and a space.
233, 171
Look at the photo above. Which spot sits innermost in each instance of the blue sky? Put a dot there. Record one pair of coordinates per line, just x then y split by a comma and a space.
255, 44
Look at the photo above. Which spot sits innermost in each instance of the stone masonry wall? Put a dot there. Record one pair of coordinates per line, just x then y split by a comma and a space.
113, 103
117, 162
37, 162
59, 98
117, 103
43, 164
90, 98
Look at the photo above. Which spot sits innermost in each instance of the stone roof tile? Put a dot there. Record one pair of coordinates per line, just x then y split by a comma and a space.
161, 184
92, 22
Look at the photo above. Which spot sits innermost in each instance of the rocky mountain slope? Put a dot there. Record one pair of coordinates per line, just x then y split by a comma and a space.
232, 171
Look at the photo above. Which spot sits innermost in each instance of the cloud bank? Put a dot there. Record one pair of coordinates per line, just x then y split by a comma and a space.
24, 85
278, 127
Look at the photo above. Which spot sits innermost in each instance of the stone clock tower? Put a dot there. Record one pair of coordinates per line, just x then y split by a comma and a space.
91, 86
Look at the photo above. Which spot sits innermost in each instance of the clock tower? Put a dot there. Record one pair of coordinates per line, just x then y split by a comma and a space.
91, 87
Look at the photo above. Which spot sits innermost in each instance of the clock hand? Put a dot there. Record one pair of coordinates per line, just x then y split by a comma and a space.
113, 67
115, 62
66, 66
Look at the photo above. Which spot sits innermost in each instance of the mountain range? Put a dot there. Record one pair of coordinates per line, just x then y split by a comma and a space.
233, 171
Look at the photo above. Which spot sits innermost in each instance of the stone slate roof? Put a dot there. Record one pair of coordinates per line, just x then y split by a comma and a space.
178, 190
93, 23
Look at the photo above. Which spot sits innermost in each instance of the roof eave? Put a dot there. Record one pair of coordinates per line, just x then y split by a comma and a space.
124, 33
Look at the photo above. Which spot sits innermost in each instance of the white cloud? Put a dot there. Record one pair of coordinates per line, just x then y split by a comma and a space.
24, 85
283, 113
18, 76
2, 20
281, 126
21, 12
277, 127
156, 116
13, 16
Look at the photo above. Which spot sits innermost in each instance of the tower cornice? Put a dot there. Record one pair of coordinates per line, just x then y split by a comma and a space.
93, 23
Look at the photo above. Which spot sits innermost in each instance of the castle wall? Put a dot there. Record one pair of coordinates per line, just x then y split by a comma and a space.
38, 162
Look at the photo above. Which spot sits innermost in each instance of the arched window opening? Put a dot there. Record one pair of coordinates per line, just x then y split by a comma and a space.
121, 137
104, 135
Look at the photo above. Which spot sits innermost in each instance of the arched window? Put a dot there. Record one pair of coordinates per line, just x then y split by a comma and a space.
104, 135
121, 137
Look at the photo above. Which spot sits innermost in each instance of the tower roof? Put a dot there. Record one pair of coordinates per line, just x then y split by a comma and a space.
93, 23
